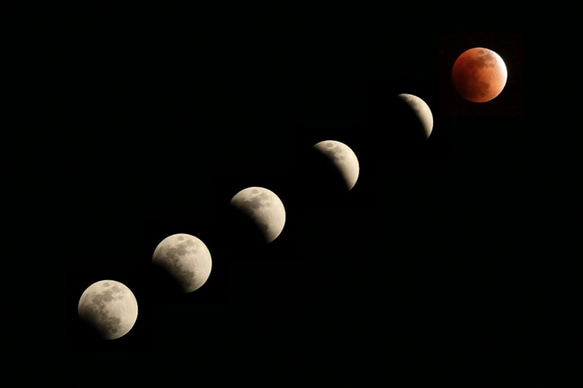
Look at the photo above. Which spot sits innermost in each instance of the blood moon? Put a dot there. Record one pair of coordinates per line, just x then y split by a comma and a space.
479, 74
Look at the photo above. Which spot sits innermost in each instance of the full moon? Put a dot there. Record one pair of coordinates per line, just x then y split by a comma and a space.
264, 208
479, 74
186, 259
421, 111
109, 307
343, 158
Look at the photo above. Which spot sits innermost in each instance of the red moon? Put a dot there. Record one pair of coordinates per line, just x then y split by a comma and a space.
479, 74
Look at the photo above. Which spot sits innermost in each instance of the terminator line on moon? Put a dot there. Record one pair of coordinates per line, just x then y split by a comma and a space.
109, 307
343, 158
422, 112
264, 208
186, 259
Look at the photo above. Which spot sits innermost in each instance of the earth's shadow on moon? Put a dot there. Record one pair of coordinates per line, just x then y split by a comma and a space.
248, 233
405, 129
87, 339
322, 185
81, 337
167, 289
394, 131
166, 285
90, 332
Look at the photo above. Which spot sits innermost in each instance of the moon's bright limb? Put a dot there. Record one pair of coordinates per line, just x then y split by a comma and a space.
109, 307
343, 158
479, 74
422, 111
264, 208
186, 258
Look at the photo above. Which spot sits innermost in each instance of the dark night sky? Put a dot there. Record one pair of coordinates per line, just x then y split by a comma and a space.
178, 118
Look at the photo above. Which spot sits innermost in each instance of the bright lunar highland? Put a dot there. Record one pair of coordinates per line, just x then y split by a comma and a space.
186, 259
264, 208
422, 112
109, 307
343, 159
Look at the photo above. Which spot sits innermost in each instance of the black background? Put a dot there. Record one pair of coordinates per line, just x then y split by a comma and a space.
177, 117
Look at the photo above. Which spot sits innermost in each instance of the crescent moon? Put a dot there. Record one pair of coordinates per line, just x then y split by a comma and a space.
343, 158
421, 111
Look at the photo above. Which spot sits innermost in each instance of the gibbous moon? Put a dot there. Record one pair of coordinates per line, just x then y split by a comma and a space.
109, 307
343, 158
479, 74
186, 259
264, 208
422, 112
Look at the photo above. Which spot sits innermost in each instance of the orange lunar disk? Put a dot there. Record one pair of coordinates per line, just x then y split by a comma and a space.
479, 74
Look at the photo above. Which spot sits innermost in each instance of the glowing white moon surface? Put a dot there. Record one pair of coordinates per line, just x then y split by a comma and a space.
109, 307
422, 111
264, 208
186, 258
343, 158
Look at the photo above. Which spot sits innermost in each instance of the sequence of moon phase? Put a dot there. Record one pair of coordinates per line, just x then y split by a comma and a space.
110, 307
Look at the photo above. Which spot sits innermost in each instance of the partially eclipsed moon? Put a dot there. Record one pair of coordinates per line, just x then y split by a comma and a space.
422, 112
109, 307
186, 258
479, 74
343, 158
264, 208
